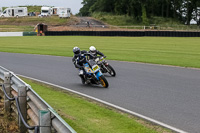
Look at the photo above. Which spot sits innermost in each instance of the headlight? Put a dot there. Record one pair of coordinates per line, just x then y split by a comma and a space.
97, 59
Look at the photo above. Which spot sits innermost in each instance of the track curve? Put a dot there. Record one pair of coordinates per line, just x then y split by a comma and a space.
168, 94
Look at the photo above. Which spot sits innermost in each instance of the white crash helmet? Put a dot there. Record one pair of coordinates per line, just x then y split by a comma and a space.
93, 49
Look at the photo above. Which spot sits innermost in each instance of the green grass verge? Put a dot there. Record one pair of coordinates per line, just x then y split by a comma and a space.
14, 28
30, 20
128, 22
118, 20
52, 20
175, 51
28, 23
86, 116
125, 20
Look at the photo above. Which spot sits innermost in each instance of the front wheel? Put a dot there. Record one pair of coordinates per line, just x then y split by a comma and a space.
111, 71
103, 81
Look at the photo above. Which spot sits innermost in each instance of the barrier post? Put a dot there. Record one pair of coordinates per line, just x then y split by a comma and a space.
7, 84
23, 107
45, 121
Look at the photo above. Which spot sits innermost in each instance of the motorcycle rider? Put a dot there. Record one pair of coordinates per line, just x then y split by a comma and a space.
77, 51
79, 59
94, 52
105, 67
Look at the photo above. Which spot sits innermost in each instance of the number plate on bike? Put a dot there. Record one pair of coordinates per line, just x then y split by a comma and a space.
95, 68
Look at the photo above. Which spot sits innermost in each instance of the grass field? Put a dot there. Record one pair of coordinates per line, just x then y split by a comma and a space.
14, 28
88, 117
183, 52
131, 23
20, 24
53, 20
125, 20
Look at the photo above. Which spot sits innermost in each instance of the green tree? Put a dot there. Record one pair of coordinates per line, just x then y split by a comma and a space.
86, 7
190, 10
144, 16
103, 6
142, 10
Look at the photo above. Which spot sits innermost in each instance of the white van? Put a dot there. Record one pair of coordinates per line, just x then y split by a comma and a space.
15, 12
64, 12
46, 11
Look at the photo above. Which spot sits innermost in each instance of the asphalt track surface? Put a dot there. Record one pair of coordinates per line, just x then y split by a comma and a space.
167, 94
92, 21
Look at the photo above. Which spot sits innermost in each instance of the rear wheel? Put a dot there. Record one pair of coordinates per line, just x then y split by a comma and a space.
103, 81
111, 71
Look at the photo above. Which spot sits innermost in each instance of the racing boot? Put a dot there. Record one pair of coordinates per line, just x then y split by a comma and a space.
82, 79
82, 76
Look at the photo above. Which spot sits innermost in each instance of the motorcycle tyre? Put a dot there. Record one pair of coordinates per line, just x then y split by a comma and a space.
112, 71
103, 81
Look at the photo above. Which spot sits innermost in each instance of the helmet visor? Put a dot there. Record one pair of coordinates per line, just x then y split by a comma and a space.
77, 52
93, 52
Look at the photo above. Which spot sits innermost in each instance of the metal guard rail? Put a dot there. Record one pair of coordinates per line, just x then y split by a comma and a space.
15, 82
19, 111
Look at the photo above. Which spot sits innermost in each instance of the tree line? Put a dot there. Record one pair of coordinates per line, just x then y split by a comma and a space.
142, 10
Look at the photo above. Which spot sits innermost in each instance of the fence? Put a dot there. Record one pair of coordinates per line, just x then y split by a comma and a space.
28, 104
161, 27
124, 33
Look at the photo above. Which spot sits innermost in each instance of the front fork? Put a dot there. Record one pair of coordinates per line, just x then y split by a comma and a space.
105, 64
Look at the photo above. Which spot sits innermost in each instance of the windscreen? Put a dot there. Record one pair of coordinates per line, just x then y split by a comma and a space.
45, 11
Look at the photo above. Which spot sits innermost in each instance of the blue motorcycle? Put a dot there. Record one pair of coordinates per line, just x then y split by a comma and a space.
94, 75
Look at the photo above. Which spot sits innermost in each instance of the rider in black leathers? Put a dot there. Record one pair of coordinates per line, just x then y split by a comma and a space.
77, 54
79, 59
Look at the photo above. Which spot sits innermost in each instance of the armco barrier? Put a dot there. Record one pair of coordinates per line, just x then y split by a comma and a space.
28, 104
11, 33
29, 33
4, 34
124, 33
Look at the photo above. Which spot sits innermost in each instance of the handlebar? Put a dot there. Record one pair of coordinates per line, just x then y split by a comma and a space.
101, 56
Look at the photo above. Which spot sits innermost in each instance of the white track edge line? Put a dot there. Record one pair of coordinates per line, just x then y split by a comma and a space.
111, 105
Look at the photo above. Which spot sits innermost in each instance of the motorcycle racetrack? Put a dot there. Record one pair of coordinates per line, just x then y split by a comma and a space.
165, 93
